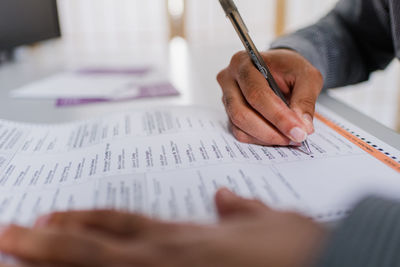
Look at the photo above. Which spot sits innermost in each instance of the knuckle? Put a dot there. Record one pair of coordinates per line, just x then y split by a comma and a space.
229, 103
243, 73
237, 58
220, 76
317, 73
238, 117
318, 76
307, 103
235, 113
240, 136
243, 138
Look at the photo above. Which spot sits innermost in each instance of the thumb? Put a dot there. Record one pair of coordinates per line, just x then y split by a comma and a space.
231, 205
303, 101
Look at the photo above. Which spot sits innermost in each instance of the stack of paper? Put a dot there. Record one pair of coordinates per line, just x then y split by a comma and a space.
98, 85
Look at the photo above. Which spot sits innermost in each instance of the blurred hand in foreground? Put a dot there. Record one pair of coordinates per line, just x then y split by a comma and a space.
248, 234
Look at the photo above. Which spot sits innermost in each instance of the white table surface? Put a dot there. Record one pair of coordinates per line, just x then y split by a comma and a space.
192, 69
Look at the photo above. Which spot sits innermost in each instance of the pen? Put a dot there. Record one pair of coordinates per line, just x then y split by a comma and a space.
233, 14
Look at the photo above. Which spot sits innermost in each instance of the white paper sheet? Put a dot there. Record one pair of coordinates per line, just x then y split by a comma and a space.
92, 85
168, 163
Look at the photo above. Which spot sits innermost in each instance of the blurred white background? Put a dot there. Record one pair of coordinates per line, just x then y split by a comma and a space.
113, 24
138, 20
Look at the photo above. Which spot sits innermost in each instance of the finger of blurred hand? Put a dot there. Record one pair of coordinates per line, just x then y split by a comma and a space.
230, 205
305, 94
260, 97
53, 246
118, 223
243, 117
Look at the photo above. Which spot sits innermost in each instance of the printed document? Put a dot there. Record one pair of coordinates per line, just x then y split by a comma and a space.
168, 163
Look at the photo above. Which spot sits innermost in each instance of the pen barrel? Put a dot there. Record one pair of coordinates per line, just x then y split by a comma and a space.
255, 56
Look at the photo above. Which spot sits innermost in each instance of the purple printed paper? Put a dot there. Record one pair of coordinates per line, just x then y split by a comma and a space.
114, 71
148, 91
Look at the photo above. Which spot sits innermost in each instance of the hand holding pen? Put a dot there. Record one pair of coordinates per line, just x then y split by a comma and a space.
273, 103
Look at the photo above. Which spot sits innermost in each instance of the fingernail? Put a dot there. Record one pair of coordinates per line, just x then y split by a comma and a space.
298, 135
294, 143
308, 120
42, 221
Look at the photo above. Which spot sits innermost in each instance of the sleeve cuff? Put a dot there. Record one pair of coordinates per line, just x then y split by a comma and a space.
369, 237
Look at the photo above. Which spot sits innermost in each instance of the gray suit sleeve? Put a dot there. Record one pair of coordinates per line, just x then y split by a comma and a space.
349, 43
369, 237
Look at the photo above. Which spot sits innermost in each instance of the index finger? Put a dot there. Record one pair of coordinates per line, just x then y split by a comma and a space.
260, 96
